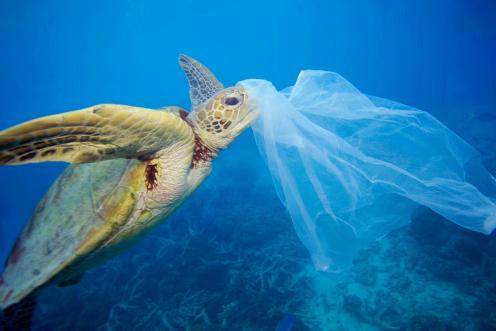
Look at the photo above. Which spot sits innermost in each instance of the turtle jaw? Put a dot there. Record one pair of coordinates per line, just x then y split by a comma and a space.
249, 117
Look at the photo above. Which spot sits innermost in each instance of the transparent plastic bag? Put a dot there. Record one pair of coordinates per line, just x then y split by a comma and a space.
351, 168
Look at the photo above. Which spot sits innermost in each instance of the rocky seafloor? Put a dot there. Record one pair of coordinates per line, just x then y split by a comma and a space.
229, 259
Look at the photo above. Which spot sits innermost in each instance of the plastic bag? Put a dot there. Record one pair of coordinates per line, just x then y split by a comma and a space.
351, 168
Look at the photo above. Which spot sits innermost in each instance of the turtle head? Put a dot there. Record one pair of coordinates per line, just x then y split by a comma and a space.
218, 114
220, 119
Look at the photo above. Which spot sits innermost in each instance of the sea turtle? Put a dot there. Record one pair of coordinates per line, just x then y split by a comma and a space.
132, 167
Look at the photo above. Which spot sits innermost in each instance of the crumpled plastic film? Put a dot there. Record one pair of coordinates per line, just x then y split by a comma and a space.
351, 168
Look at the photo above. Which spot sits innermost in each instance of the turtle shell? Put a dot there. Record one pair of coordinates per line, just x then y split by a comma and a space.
81, 209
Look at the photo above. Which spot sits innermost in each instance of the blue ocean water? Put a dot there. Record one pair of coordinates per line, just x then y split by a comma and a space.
229, 259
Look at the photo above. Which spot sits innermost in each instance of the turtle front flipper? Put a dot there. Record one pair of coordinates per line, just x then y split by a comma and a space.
92, 134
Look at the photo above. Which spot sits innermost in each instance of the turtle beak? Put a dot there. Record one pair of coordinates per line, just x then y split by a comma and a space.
252, 113
249, 115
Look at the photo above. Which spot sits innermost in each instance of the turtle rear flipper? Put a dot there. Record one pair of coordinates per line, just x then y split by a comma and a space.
74, 280
19, 316
92, 134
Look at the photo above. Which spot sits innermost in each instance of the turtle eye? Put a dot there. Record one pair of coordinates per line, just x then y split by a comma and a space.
233, 98
231, 101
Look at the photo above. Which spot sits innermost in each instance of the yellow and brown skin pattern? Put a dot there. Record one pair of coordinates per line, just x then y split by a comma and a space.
88, 211
137, 166
96, 133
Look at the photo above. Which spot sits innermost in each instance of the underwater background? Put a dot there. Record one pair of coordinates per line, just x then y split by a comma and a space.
229, 258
